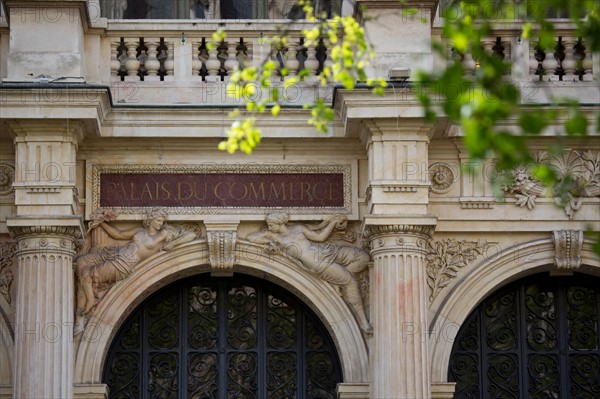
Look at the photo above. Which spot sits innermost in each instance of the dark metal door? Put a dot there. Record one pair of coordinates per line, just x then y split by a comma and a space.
537, 338
222, 338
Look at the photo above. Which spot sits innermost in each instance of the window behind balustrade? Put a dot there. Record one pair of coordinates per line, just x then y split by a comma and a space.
212, 9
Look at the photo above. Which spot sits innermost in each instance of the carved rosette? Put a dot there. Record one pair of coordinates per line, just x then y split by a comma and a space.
578, 177
7, 254
7, 178
568, 245
442, 177
446, 258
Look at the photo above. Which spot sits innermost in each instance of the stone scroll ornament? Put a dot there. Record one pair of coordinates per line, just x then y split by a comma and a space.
317, 250
578, 177
102, 267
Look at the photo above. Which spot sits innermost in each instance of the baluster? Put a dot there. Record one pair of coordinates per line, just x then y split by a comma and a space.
212, 65
132, 64
152, 63
469, 63
488, 45
569, 64
291, 61
550, 64
247, 59
328, 63
231, 63
587, 64
311, 62
169, 62
115, 62
196, 62
537, 55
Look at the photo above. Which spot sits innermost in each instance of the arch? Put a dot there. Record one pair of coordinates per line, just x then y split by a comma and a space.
516, 262
191, 259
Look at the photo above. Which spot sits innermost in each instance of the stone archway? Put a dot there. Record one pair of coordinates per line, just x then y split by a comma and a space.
191, 259
480, 282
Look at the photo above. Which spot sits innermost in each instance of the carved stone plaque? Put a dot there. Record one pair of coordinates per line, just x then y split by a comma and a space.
208, 189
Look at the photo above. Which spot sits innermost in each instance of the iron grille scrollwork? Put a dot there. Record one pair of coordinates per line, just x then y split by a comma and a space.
222, 338
536, 338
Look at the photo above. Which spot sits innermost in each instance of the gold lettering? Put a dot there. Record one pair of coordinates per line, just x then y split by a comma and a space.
232, 190
305, 189
331, 191
131, 185
216, 191
189, 187
291, 185
255, 191
146, 190
316, 191
124, 191
165, 188
274, 193
196, 191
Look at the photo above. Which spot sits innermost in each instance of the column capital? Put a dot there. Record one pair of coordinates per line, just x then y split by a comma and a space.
22, 227
374, 227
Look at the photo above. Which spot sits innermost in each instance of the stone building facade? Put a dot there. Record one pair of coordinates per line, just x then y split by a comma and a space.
381, 235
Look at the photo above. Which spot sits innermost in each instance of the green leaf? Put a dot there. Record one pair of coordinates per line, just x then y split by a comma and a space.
275, 110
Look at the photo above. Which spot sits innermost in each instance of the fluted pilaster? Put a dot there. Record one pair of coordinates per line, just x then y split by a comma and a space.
44, 317
400, 359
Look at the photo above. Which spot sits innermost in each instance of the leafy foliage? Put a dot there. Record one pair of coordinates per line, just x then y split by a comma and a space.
480, 100
349, 55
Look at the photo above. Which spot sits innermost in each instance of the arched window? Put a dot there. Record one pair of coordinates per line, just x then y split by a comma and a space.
222, 338
212, 9
536, 338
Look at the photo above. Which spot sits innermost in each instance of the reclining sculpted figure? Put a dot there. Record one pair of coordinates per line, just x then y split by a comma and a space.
98, 270
336, 264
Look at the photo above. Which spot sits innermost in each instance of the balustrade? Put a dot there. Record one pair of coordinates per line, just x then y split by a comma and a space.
568, 60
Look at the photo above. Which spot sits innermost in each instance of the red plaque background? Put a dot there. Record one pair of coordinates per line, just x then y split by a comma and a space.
222, 190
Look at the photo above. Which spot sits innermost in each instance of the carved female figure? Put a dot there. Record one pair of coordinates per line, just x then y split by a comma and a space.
102, 268
336, 264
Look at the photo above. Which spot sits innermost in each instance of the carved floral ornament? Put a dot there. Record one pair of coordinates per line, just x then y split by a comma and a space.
445, 259
7, 178
7, 254
578, 176
441, 177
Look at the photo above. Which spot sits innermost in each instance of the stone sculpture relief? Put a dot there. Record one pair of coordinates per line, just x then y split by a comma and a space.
578, 176
7, 178
7, 254
445, 258
314, 251
102, 267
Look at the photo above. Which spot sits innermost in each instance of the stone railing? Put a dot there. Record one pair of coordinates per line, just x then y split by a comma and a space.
159, 57
569, 60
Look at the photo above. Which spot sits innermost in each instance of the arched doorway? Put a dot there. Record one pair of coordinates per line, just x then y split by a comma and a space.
238, 337
536, 338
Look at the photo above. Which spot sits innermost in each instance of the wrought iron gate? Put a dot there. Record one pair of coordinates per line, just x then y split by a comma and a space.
537, 338
222, 338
